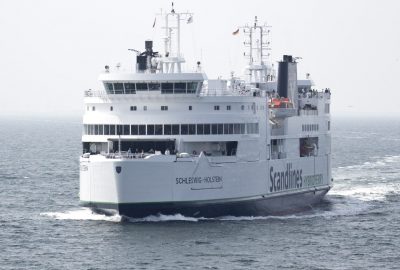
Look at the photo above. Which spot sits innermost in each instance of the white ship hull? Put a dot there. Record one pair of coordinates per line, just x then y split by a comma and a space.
202, 188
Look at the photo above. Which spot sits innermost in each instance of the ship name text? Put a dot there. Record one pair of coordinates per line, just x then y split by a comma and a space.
198, 180
287, 179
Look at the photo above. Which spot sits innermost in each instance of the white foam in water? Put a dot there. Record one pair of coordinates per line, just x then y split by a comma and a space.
81, 214
391, 159
87, 214
252, 218
164, 218
179, 217
368, 181
241, 218
374, 193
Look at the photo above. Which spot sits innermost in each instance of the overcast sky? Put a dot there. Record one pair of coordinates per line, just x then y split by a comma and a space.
51, 51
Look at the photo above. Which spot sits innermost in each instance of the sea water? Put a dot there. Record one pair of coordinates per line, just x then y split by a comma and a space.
357, 226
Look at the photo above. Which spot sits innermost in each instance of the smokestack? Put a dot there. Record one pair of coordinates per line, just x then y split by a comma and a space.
149, 46
287, 79
143, 61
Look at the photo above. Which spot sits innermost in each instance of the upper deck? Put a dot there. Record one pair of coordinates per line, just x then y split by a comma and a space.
161, 109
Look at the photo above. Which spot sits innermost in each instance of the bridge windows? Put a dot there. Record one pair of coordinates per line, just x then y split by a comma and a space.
109, 88
167, 88
228, 107
191, 87
179, 88
130, 88
164, 87
141, 87
111, 108
190, 108
118, 88
216, 108
154, 87
164, 108
133, 108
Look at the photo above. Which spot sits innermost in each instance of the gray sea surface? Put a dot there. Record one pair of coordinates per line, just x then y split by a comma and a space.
357, 226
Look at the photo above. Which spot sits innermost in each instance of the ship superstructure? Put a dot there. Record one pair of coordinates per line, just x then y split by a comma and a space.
165, 141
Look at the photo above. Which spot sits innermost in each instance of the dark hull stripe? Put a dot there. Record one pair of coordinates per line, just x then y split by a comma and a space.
276, 205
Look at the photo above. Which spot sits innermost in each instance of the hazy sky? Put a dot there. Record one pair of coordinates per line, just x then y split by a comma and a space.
51, 51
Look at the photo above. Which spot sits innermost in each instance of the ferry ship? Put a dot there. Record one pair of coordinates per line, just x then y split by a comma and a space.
163, 140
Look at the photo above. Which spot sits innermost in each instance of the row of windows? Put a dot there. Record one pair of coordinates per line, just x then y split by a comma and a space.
165, 88
165, 108
310, 127
173, 129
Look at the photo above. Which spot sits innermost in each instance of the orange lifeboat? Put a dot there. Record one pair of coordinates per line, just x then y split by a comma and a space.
280, 103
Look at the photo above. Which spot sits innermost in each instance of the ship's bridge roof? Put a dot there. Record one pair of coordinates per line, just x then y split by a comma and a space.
152, 77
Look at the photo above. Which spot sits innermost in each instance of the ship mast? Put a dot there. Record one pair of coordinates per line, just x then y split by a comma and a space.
257, 41
172, 58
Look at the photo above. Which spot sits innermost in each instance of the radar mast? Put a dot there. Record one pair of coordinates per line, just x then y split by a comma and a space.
259, 69
172, 58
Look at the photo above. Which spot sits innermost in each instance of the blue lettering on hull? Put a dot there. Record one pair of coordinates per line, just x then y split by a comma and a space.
284, 180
